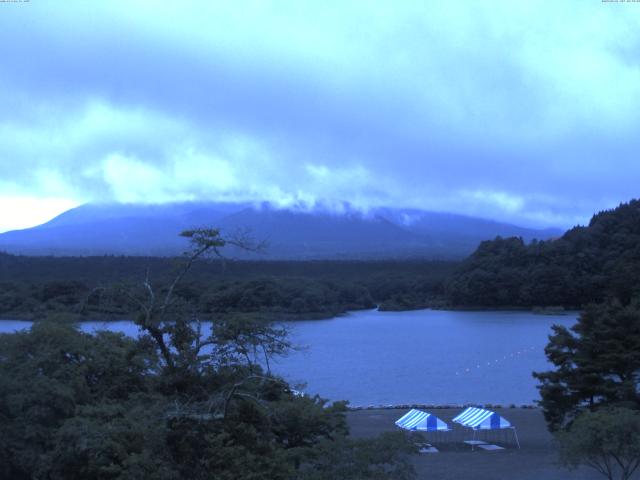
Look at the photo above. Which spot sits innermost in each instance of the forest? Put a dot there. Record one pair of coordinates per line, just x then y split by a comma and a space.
78, 288
586, 265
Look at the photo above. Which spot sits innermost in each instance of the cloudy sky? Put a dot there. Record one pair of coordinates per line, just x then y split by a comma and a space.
525, 111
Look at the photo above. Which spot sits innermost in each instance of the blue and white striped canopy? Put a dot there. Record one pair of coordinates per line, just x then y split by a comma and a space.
419, 420
481, 419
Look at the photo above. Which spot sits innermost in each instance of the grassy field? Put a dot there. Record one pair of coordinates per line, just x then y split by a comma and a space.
536, 460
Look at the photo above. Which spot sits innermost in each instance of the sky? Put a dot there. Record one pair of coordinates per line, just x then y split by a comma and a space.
521, 111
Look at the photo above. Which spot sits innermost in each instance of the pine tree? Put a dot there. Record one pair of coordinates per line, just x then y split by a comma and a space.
597, 363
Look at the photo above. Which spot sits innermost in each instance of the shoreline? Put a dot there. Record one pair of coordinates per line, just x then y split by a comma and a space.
444, 406
69, 317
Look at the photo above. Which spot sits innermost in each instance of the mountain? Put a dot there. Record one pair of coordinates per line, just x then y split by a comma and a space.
586, 265
129, 229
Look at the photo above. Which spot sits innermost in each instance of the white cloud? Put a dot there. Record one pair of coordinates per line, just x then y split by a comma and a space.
496, 200
185, 176
23, 212
133, 181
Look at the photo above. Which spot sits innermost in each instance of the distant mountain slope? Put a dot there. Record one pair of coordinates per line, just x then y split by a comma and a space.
587, 264
460, 233
153, 230
323, 235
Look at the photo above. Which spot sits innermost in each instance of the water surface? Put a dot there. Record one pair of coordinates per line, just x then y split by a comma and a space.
423, 356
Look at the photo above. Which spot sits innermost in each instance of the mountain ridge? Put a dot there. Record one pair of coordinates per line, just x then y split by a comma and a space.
134, 229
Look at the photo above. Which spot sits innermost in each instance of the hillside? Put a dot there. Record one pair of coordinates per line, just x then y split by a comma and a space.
291, 234
587, 264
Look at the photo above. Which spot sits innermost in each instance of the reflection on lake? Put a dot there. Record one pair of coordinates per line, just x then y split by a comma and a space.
424, 356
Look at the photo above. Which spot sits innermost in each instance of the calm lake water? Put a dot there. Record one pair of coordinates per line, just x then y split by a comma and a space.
424, 356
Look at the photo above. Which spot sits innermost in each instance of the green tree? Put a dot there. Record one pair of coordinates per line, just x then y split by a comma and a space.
586, 265
382, 458
597, 363
112, 440
48, 375
607, 440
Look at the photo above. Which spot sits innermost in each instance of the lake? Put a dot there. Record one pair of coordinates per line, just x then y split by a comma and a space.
422, 356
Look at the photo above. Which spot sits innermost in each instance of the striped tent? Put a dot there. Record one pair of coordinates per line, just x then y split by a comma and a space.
481, 419
423, 421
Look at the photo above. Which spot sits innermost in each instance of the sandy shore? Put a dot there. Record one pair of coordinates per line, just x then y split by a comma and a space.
536, 460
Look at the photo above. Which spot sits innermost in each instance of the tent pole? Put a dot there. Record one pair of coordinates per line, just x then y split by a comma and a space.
515, 434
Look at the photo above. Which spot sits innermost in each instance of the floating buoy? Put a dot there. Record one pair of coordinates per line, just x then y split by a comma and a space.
498, 360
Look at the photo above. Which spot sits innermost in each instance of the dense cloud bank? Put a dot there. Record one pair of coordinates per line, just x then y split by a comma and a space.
520, 112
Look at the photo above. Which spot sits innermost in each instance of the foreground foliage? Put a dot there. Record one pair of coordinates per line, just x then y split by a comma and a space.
597, 363
607, 441
179, 402
591, 399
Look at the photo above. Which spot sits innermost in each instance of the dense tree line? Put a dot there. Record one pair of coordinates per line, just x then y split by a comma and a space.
46, 287
586, 265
